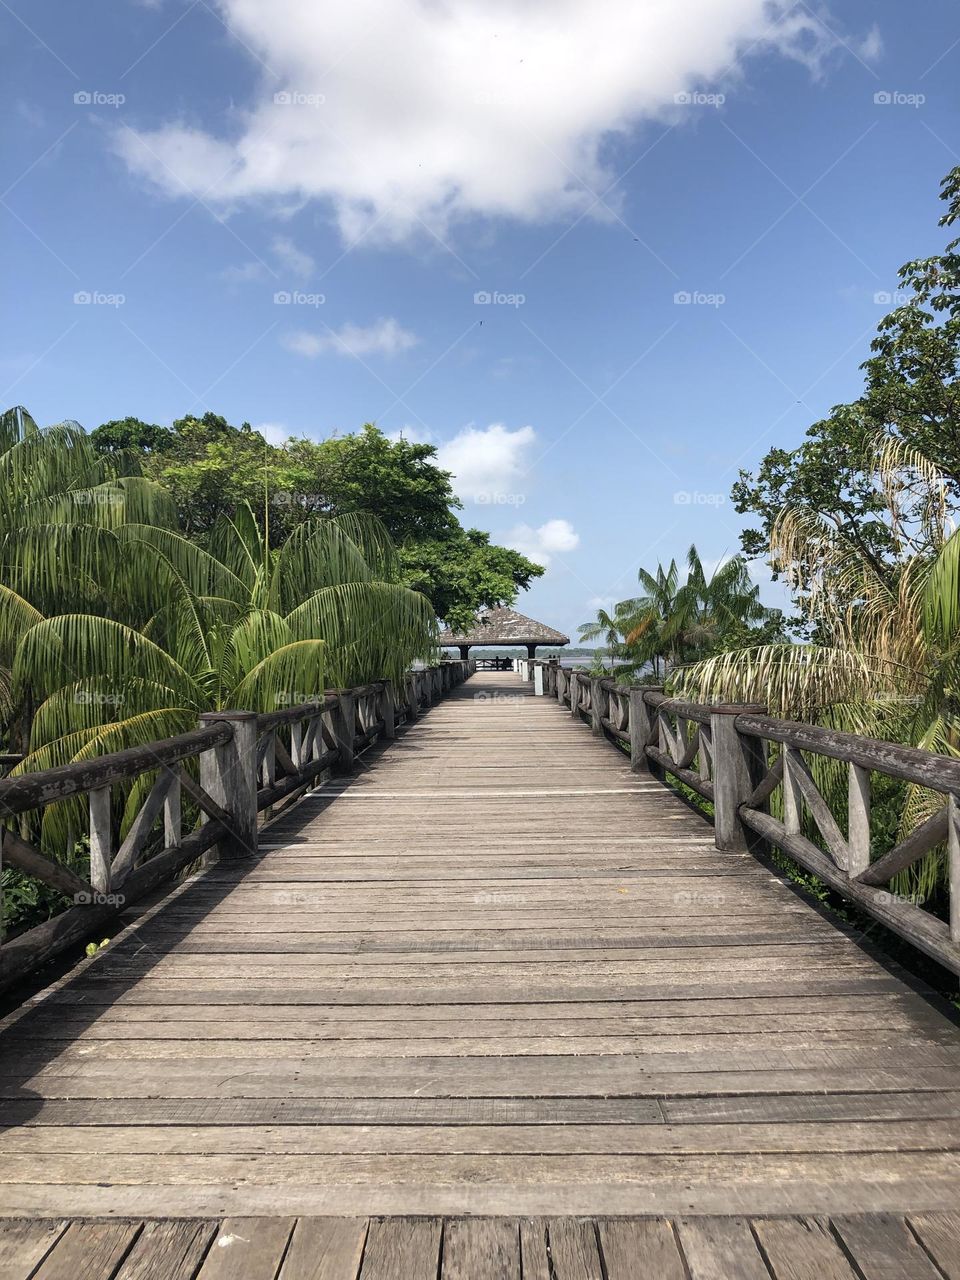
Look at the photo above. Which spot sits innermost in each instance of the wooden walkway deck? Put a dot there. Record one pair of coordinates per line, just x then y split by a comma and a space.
492, 973
923, 1247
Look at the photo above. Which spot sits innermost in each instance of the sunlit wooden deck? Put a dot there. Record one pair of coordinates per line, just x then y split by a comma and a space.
493, 973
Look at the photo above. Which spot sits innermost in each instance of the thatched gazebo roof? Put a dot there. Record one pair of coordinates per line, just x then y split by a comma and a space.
504, 626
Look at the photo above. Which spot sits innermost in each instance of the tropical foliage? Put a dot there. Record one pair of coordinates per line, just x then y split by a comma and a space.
860, 525
211, 468
676, 621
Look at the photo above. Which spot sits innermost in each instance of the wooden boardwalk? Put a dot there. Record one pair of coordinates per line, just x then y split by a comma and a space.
922, 1247
492, 973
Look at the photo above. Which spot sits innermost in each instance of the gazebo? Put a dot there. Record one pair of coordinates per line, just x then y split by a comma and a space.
503, 626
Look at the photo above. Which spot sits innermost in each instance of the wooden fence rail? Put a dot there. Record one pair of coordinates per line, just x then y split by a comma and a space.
235, 765
737, 757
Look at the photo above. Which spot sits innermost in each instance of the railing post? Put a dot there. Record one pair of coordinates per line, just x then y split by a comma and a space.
596, 707
389, 712
228, 774
173, 812
643, 728
343, 722
739, 764
953, 866
538, 681
101, 848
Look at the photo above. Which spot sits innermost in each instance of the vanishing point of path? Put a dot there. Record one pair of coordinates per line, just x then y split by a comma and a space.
492, 973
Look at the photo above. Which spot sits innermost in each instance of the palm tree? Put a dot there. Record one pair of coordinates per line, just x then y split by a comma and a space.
62, 509
674, 622
246, 627
888, 659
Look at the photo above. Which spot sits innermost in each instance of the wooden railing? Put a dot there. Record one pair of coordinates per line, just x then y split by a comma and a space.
737, 758
235, 765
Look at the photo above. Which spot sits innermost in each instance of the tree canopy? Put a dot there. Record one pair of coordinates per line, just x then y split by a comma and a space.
911, 395
212, 469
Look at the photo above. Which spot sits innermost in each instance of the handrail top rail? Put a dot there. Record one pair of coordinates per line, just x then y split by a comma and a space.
34, 790
909, 764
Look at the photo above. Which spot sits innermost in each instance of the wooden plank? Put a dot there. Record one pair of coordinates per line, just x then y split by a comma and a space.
802, 1249
884, 1248
565, 1138
92, 1250
168, 1251
402, 1247
247, 1249
939, 1233
534, 1250
640, 1249
325, 1249
721, 1249
24, 1245
481, 1249
574, 1251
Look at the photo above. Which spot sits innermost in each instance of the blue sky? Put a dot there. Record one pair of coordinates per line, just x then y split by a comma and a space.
381, 164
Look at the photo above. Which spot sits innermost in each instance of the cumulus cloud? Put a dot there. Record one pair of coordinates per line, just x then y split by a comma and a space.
299, 264
273, 432
401, 112
541, 544
488, 463
384, 337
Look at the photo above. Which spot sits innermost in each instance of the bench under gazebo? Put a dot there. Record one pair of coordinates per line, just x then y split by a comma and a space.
505, 628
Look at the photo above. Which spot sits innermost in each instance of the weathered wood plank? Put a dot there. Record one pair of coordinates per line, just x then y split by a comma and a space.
640, 1249
721, 1249
574, 1251
481, 1249
939, 1233
325, 1249
24, 1245
168, 1251
883, 1247
398, 1247
92, 1250
247, 1249
802, 1249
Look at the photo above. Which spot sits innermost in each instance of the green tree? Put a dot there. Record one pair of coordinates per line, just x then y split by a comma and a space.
676, 621
464, 573
911, 394
212, 469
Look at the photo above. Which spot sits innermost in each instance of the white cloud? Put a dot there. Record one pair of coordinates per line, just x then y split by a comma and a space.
550, 539
273, 432
245, 273
488, 463
299, 264
384, 337
404, 111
